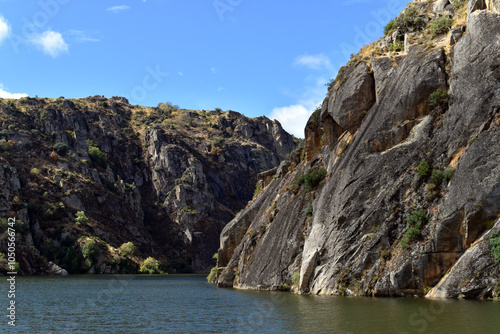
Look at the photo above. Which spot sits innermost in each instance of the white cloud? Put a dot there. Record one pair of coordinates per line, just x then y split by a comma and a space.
81, 36
51, 42
4, 29
220, 89
180, 73
117, 9
213, 70
294, 117
315, 62
6, 95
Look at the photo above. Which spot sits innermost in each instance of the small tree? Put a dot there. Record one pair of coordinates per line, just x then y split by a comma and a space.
128, 249
90, 249
81, 218
150, 266
61, 149
424, 169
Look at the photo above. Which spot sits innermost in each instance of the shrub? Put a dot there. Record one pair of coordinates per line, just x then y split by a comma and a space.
495, 247
35, 171
437, 176
423, 169
81, 218
296, 278
313, 178
217, 142
410, 21
309, 211
439, 98
440, 26
396, 46
258, 189
128, 249
61, 149
390, 27
458, 4
448, 173
90, 249
415, 223
54, 157
97, 156
150, 266
213, 275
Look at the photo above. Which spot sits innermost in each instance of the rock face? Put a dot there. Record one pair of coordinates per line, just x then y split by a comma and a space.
412, 189
165, 179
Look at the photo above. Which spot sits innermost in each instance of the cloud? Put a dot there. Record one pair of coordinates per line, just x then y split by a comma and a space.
4, 29
213, 70
51, 43
117, 9
81, 36
6, 95
220, 89
180, 73
294, 117
314, 62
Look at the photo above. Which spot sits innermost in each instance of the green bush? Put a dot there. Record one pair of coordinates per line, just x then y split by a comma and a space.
440, 26
448, 173
396, 46
458, 4
390, 27
410, 21
495, 247
439, 98
61, 149
296, 278
213, 275
150, 266
90, 249
437, 176
313, 178
81, 218
35, 171
128, 249
309, 211
97, 156
415, 224
423, 169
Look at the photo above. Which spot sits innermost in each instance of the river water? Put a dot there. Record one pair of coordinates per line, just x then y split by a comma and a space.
188, 304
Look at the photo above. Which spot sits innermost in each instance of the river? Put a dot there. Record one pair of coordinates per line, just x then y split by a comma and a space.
188, 304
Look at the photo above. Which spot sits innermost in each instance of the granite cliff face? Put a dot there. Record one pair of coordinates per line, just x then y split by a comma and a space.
396, 189
98, 185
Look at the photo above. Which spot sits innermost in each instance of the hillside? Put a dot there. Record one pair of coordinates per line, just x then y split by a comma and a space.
98, 185
396, 189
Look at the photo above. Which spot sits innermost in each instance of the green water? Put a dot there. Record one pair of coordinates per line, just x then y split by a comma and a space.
187, 304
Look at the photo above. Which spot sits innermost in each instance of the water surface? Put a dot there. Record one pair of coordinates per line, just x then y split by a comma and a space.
187, 304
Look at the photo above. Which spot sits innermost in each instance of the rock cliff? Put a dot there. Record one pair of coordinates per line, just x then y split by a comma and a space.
98, 185
396, 189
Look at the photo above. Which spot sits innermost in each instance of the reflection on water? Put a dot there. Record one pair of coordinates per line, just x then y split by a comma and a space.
187, 304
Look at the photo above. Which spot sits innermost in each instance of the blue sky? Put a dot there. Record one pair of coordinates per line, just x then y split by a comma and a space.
257, 57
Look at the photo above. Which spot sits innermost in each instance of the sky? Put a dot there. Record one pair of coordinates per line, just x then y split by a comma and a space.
257, 57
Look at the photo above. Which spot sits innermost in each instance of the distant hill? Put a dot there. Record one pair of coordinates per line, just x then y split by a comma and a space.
98, 185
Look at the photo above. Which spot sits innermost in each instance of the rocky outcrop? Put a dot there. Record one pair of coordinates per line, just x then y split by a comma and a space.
412, 184
85, 177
